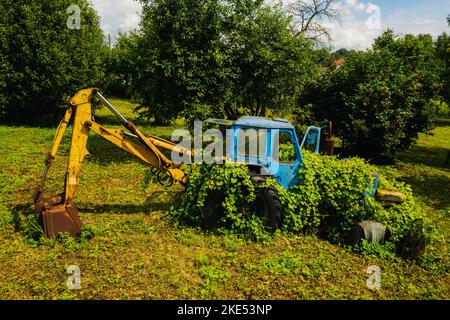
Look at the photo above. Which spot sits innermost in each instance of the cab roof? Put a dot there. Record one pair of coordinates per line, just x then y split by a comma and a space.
261, 122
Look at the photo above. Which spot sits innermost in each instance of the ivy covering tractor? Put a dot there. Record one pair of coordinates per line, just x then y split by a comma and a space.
278, 154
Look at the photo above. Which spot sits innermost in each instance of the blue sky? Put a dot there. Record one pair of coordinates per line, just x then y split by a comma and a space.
358, 26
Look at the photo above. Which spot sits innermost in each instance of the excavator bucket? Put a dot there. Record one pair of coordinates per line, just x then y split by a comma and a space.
55, 216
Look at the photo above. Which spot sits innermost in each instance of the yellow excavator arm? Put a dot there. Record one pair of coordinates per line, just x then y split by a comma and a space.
58, 214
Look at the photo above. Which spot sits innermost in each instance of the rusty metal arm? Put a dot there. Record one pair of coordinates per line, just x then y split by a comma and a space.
60, 131
152, 142
119, 138
58, 214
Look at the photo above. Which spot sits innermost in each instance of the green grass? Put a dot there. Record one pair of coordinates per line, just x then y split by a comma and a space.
137, 254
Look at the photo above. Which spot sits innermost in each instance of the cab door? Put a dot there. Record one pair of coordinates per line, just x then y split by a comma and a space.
286, 157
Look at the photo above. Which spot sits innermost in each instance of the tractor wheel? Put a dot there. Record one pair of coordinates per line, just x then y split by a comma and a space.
268, 207
213, 209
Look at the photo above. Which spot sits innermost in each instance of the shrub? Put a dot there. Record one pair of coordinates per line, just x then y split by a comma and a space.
238, 190
381, 98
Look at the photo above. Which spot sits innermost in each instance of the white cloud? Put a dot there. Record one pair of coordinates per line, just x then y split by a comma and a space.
352, 35
353, 31
360, 24
355, 5
118, 15
420, 21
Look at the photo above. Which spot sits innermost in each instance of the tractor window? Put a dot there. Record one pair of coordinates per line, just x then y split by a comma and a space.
252, 142
284, 150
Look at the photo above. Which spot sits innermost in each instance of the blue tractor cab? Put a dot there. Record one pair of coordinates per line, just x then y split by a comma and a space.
270, 147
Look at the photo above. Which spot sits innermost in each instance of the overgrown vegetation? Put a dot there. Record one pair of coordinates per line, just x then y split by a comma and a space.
194, 59
328, 202
138, 253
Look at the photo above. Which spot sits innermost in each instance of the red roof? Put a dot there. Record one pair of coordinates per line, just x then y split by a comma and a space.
338, 63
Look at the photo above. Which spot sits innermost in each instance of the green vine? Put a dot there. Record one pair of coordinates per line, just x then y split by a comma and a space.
328, 202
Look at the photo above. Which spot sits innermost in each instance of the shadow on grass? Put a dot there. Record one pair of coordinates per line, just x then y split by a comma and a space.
430, 156
149, 207
442, 122
103, 152
19, 212
433, 189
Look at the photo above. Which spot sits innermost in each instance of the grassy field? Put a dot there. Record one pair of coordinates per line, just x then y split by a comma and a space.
137, 254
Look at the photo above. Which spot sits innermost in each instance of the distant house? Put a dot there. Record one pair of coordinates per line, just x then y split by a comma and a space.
338, 63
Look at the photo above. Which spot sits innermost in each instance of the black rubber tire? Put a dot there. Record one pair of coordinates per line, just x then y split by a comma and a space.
268, 207
213, 210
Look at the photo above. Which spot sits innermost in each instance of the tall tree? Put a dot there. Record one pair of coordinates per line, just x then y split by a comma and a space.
310, 17
271, 62
442, 47
42, 60
121, 64
181, 62
210, 57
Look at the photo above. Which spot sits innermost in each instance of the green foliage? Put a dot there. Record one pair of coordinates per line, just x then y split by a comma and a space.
368, 249
442, 47
329, 202
121, 66
286, 264
234, 182
381, 98
442, 108
42, 61
270, 63
216, 56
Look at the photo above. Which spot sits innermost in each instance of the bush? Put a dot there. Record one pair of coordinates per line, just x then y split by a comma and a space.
442, 108
329, 202
382, 98
42, 61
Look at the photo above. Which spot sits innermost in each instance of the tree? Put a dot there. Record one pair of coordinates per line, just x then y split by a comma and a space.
310, 17
43, 61
382, 98
270, 62
179, 57
442, 47
211, 57
122, 65
342, 53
